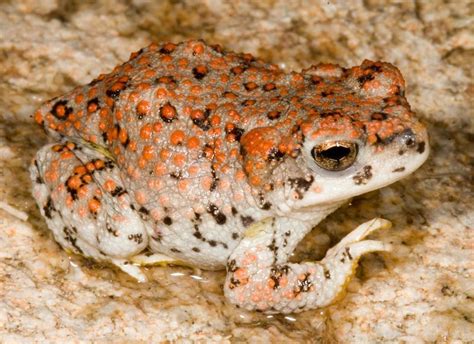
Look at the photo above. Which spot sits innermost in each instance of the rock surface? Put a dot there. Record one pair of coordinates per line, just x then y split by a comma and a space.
421, 292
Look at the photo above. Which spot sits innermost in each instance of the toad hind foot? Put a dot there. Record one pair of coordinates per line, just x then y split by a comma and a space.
257, 281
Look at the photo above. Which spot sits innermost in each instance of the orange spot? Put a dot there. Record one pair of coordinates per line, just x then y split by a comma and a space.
79, 98
87, 178
239, 175
74, 182
183, 63
206, 183
80, 170
90, 166
215, 120
143, 107
109, 185
94, 205
82, 192
148, 152
38, 117
168, 112
255, 180
132, 146
193, 142
198, 49
177, 137
92, 107
69, 201
122, 135
164, 154
140, 197
160, 169
183, 185
98, 164
193, 170
67, 154
145, 131
179, 159
161, 93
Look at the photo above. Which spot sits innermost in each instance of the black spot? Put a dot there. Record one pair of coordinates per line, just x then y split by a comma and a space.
55, 108
215, 179
49, 208
217, 48
348, 253
301, 185
237, 133
197, 217
375, 68
197, 234
421, 147
175, 250
125, 144
275, 154
199, 74
203, 122
167, 221
93, 101
330, 114
324, 94
276, 273
266, 206
379, 116
232, 265
213, 243
304, 285
216, 213
364, 78
137, 238
118, 191
111, 230
235, 235
327, 274
247, 220
144, 210
400, 169
363, 176
69, 235
234, 211
274, 114
195, 249
39, 180
176, 175
114, 94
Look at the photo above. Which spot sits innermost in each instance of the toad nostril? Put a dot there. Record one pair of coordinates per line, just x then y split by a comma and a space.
408, 137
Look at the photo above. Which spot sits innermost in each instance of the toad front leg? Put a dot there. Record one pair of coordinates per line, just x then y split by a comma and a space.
258, 277
81, 194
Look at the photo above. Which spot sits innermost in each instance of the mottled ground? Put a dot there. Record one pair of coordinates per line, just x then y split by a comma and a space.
421, 292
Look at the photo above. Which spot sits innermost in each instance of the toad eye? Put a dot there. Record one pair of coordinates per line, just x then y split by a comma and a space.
335, 156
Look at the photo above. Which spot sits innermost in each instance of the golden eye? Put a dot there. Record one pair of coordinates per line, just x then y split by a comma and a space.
335, 156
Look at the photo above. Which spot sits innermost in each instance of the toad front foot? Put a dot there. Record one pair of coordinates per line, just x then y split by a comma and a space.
258, 278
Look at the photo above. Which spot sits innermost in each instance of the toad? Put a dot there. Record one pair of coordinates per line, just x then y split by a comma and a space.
190, 154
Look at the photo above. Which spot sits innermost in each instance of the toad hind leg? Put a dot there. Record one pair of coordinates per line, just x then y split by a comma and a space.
81, 195
256, 281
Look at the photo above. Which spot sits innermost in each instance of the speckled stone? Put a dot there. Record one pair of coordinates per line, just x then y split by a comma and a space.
420, 292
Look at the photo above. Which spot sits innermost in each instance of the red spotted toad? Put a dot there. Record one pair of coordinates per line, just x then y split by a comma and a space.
190, 154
